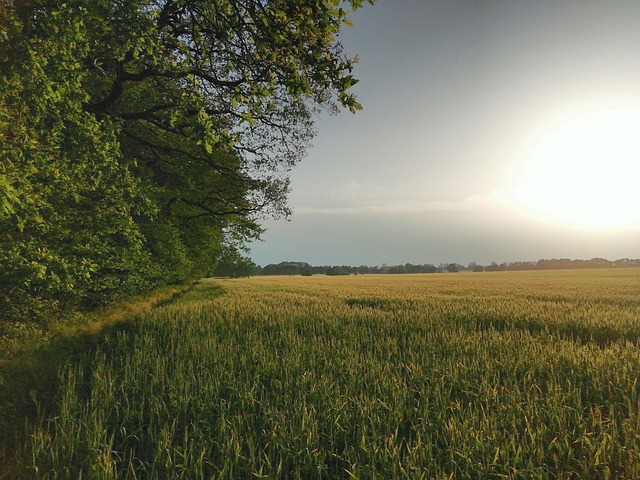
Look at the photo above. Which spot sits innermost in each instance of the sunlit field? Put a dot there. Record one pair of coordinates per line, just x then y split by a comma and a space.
463, 376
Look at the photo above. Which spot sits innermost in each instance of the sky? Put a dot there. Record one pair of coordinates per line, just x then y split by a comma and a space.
492, 130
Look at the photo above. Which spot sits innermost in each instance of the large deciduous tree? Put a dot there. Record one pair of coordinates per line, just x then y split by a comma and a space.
139, 139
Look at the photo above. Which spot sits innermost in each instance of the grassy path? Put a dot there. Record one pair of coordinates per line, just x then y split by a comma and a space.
31, 357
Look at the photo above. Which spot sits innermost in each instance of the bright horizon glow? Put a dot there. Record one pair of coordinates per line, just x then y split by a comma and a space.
438, 166
584, 171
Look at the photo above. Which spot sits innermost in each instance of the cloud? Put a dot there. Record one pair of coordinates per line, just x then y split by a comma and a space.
487, 201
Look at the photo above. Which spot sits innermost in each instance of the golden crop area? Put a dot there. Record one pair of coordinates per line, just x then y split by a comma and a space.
460, 375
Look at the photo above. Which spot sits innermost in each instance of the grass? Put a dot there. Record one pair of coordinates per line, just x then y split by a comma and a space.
32, 355
503, 375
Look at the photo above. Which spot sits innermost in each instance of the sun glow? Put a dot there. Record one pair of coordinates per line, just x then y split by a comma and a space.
584, 171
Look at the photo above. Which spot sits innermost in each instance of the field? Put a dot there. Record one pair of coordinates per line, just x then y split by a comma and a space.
468, 375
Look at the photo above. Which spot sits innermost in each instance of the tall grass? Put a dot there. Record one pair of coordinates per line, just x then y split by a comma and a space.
31, 356
508, 375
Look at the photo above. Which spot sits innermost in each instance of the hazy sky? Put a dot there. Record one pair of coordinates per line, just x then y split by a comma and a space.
491, 131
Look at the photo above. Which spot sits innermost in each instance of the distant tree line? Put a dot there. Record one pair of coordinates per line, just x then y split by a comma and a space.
558, 264
305, 269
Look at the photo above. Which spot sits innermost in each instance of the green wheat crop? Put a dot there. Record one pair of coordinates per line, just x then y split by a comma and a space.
487, 375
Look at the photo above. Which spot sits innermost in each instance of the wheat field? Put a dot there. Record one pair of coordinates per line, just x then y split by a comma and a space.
518, 375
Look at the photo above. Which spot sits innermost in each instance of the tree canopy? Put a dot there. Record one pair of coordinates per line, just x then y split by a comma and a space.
141, 139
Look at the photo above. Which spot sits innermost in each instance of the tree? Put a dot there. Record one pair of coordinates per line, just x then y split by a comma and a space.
452, 268
232, 263
68, 203
138, 138
493, 267
336, 270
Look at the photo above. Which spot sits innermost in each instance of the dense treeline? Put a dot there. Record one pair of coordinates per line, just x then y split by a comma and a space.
142, 141
303, 268
559, 264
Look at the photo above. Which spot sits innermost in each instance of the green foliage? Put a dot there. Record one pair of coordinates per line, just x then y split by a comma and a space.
69, 202
138, 137
233, 264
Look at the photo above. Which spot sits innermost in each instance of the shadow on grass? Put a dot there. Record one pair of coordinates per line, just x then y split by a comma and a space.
600, 335
29, 379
